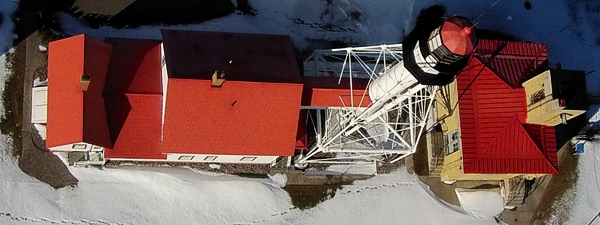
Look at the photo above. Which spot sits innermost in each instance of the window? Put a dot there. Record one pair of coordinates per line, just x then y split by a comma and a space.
537, 96
210, 158
186, 157
248, 159
79, 146
453, 142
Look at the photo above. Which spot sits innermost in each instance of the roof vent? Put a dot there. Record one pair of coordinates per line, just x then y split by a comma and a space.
84, 82
218, 78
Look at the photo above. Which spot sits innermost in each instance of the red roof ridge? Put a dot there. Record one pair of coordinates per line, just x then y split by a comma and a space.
532, 148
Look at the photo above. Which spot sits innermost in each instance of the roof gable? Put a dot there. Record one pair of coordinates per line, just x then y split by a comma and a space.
513, 62
513, 149
74, 115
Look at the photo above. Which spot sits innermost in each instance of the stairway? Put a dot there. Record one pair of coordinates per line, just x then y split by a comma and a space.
435, 166
515, 191
436, 145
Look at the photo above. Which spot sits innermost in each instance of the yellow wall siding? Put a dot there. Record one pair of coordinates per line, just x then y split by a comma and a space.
452, 170
547, 110
447, 107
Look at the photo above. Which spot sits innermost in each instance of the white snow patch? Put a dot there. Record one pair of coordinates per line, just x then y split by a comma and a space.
42, 48
38, 82
214, 166
41, 129
584, 198
279, 179
480, 203
396, 198
593, 113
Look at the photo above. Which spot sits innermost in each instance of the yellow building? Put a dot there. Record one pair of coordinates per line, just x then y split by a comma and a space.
498, 117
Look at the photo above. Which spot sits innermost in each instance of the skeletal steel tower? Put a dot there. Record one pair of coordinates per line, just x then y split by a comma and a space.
403, 80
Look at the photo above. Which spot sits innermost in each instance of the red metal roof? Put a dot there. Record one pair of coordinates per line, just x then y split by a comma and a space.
326, 92
239, 118
73, 115
513, 62
243, 56
494, 140
133, 93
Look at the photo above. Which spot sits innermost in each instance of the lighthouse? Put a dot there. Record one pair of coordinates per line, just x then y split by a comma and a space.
432, 56
436, 56
403, 80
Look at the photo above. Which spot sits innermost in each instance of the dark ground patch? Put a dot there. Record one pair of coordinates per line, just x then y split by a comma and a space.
12, 97
559, 187
308, 196
420, 162
27, 146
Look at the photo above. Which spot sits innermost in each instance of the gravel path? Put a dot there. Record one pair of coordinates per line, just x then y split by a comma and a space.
33, 159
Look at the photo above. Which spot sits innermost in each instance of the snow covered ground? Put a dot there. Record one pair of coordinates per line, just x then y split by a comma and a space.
179, 196
471, 201
585, 196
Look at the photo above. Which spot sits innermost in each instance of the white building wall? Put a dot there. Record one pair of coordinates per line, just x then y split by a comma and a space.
77, 147
39, 104
204, 158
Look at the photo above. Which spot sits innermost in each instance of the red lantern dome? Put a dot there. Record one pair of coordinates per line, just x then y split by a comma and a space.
457, 35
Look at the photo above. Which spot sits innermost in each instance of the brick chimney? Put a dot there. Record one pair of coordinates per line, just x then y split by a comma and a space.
84, 82
218, 78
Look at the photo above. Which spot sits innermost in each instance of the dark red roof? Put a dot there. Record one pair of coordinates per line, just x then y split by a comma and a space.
133, 95
239, 118
513, 62
326, 92
495, 139
243, 56
134, 67
74, 115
